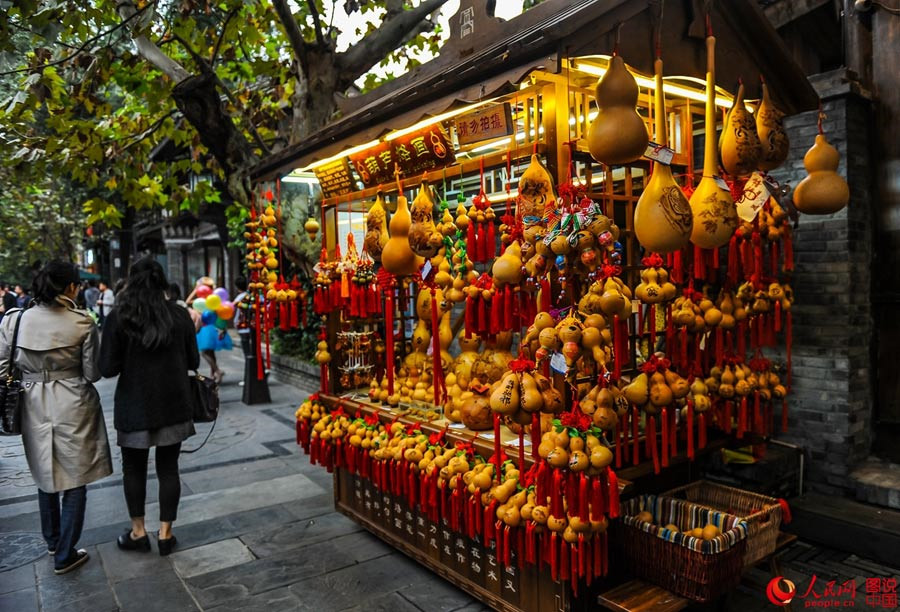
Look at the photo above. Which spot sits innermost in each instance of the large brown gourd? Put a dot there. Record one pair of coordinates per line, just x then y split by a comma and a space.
397, 258
424, 239
739, 145
617, 134
773, 138
662, 217
376, 229
824, 191
715, 216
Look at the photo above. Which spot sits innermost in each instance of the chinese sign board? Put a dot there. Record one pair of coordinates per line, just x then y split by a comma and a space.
335, 178
415, 153
492, 122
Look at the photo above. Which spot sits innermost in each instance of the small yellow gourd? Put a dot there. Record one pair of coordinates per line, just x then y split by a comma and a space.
739, 145
507, 269
824, 191
617, 134
397, 256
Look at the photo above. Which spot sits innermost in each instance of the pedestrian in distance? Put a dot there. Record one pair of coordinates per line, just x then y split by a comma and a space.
105, 303
22, 297
91, 295
63, 430
148, 342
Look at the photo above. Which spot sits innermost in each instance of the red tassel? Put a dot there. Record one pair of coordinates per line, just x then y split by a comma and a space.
699, 264
733, 261
491, 244
757, 415
389, 337
598, 555
482, 325
684, 349
583, 510
613, 508
690, 430
664, 424
651, 437
563, 560
554, 570
497, 306
673, 434
596, 500
556, 494
701, 437
742, 418
677, 268
471, 245
636, 447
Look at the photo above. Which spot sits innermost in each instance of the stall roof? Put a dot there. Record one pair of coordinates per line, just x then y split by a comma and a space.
500, 53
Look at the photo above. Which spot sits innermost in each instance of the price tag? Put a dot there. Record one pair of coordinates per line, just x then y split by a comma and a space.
659, 153
755, 195
426, 269
722, 184
515, 443
558, 363
456, 426
486, 436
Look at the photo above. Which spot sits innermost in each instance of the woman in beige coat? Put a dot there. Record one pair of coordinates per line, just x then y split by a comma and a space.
63, 430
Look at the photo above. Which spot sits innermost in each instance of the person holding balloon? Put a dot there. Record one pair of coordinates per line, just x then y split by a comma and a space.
215, 311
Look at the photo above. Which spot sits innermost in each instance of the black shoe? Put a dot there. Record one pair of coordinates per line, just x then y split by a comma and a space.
80, 559
126, 542
166, 546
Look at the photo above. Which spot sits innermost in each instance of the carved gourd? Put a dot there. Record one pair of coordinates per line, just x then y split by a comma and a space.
715, 216
662, 217
617, 134
397, 257
376, 229
739, 145
424, 238
773, 138
535, 191
824, 191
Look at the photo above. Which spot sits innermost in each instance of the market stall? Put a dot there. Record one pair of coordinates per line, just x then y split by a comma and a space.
543, 303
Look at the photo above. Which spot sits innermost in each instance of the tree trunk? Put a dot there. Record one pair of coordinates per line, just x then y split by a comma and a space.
314, 100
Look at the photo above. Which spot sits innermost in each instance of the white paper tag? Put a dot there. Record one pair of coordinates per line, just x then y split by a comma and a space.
635, 306
426, 269
558, 363
754, 196
722, 184
486, 436
515, 442
456, 426
659, 153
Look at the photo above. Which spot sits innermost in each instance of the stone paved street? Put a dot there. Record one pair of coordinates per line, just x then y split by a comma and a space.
257, 530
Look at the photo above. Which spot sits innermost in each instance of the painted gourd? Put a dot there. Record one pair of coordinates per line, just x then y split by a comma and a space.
662, 217
739, 146
397, 258
715, 216
617, 134
824, 191
535, 191
424, 238
773, 138
376, 229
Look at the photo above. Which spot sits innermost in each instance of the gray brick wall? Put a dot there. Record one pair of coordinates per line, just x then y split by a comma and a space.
831, 401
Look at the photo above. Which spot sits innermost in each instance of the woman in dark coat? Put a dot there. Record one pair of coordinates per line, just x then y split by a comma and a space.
63, 430
149, 343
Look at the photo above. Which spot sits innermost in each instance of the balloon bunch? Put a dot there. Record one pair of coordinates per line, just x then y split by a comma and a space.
214, 306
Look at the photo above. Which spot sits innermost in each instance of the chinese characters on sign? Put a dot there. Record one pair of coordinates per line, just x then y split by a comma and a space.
335, 178
491, 122
374, 166
421, 151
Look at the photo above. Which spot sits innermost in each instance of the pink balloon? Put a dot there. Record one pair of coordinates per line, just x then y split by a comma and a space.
203, 291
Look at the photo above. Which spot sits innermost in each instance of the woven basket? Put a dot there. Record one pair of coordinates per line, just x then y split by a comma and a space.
687, 566
762, 513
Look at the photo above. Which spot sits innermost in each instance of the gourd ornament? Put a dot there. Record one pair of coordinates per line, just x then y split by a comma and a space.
617, 134
397, 256
715, 215
773, 138
662, 217
824, 191
376, 229
739, 145
535, 191
424, 238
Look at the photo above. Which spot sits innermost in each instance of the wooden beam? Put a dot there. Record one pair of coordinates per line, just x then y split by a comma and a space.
786, 11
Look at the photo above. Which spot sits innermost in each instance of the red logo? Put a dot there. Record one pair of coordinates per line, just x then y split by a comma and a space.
780, 591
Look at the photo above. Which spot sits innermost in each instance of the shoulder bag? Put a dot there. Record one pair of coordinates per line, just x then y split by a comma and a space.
12, 392
205, 404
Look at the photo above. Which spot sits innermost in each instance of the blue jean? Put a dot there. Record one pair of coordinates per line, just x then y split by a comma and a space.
62, 529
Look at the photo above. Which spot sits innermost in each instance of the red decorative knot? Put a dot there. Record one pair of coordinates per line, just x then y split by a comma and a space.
692, 294
467, 447
384, 278
569, 192
653, 260
314, 397
732, 359
655, 364
485, 281
371, 419
481, 201
338, 412
760, 364
576, 419
609, 271
521, 365
323, 256
413, 428
437, 438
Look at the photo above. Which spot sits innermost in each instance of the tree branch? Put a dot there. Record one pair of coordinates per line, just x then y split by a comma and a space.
357, 60
315, 15
292, 30
148, 50
231, 13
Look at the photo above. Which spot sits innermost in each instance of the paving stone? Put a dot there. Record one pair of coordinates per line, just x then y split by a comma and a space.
311, 507
88, 581
160, 591
363, 546
121, 565
295, 535
211, 557
276, 600
232, 525
20, 578
269, 573
391, 602
436, 595
23, 600
475, 606
235, 475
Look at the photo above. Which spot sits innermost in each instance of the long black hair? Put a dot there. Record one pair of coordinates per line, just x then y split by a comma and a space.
52, 281
142, 308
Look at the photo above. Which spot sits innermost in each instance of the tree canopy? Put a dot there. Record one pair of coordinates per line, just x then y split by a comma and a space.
124, 99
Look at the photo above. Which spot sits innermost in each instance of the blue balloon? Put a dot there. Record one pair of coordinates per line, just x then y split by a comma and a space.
209, 317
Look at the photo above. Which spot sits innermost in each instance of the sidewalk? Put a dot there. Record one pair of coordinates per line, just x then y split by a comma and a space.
257, 530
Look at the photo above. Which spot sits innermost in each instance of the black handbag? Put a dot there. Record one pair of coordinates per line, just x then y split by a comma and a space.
12, 392
205, 395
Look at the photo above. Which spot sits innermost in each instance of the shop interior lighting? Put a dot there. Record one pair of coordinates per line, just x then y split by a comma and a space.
424, 123
344, 153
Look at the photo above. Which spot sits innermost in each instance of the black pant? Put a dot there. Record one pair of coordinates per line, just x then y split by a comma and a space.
134, 478
62, 529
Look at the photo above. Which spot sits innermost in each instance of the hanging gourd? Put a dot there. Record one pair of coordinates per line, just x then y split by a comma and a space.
535, 191
662, 217
397, 257
772, 136
739, 145
715, 216
617, 134
824, 191
376, 229
424, 238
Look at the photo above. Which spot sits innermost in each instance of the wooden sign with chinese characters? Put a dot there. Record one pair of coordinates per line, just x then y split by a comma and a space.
374, 166
424, 150
491, 122
335, 178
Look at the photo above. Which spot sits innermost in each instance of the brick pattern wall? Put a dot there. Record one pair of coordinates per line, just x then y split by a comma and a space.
831, 402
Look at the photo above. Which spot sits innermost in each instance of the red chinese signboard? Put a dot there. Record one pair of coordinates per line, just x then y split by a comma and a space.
415, 153
491, 122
